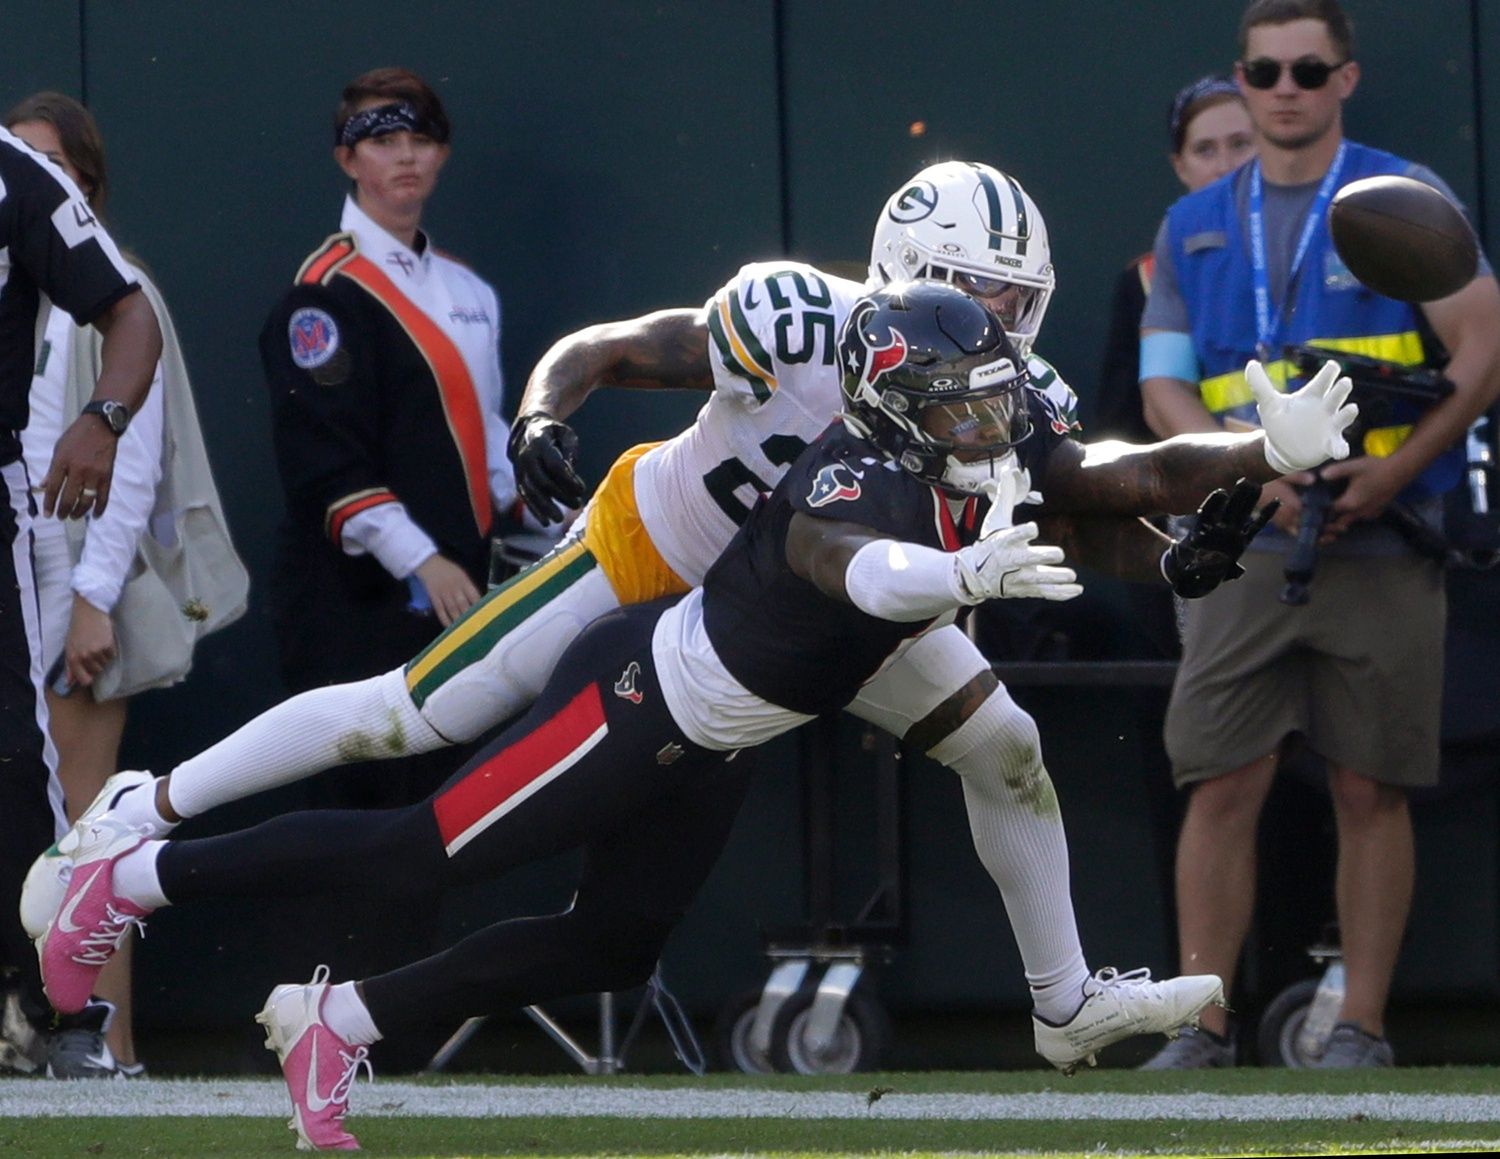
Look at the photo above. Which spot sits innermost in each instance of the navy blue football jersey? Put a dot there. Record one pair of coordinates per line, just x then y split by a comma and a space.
780, 636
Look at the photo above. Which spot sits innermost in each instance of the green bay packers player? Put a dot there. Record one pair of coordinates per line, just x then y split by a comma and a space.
763, 351
874, 539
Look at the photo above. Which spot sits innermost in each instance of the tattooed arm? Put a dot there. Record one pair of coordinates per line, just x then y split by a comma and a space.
1171, 477
664, 350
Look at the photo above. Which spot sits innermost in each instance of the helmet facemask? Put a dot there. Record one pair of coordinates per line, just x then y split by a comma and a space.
976, 434
929, 377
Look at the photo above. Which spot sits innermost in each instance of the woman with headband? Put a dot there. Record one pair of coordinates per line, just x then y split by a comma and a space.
383, 365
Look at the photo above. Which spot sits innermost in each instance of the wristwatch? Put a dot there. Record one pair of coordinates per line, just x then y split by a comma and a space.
116, 415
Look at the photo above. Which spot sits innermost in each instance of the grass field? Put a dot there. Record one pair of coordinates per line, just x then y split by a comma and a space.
1115, 1112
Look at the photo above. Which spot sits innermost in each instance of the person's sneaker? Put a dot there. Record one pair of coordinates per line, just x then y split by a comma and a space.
1349, 1046
47, 879
93, 920
130, 1070
76, 1048
318, 1065
1194, 1049
1117, 1005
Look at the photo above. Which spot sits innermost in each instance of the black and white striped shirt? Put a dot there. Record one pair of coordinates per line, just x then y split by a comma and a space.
50, 243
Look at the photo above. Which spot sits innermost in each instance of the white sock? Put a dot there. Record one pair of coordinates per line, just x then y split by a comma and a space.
135, 876
367, 720
345, 1013
137, 806
1018, 833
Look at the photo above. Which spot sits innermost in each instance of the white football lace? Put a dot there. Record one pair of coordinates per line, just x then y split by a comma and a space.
339, 1095
100, 945
1110, 977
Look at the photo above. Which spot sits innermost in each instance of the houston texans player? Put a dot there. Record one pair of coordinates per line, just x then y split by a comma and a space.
872, 540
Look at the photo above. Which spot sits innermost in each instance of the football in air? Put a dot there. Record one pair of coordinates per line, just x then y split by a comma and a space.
1403, 238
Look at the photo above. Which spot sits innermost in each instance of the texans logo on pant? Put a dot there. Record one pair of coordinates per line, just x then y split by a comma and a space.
625, 687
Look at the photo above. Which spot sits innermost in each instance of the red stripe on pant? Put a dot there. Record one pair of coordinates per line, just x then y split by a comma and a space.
493, 788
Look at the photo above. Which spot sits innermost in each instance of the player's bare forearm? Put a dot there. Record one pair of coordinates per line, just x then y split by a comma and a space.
1125, 546
1169, 477
667, 350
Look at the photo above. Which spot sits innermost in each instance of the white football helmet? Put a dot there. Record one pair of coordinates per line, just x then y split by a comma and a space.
974, 226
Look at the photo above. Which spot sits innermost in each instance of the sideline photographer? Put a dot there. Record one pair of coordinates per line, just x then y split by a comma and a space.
1244, 268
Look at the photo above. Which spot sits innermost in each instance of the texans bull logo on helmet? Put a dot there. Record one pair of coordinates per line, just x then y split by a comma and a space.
877, 360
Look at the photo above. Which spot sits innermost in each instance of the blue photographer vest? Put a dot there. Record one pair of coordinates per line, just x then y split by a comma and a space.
1331, 310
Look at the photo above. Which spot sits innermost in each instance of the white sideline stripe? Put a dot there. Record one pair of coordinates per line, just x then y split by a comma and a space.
26, 1098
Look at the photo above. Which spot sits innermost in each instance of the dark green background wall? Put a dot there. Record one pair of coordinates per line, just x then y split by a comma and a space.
613, 157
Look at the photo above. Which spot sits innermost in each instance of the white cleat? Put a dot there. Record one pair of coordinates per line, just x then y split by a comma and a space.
1117, 1006
47, 879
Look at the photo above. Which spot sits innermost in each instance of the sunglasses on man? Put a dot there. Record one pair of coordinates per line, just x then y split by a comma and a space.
1307, 73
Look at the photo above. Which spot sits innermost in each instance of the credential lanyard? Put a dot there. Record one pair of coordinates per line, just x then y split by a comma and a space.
1267, 324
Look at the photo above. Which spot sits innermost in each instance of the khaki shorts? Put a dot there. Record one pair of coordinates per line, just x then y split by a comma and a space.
1358, 670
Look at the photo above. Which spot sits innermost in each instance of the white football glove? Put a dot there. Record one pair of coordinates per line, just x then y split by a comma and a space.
1006, 565
1304, 429
1006, 491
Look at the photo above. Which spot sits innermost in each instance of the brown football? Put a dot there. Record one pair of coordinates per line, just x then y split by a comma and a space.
1403, 238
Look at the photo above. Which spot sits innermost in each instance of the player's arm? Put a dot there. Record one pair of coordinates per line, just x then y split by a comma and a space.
1193, 564
908, 582
1167, 477
664, 350
1299, 431
1127, 547
1468, 324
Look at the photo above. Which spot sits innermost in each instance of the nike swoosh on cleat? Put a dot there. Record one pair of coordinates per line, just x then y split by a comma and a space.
315, 1102
65, 915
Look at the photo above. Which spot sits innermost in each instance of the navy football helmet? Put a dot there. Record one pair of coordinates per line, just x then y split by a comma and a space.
930, 377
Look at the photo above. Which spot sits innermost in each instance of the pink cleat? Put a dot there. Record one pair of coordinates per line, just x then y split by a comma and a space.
92, 920
318, 1065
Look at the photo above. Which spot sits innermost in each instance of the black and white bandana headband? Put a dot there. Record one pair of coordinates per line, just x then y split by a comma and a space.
384, 119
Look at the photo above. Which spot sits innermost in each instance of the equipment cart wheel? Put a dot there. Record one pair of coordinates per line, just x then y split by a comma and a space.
732, 1036
1276, 1035
855, 1040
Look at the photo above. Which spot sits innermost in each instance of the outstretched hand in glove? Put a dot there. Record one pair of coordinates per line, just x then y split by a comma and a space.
1306, 428
543, 451
1209, 553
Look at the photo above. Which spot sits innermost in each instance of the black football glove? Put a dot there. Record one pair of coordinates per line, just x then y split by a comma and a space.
542, 451
1209, 553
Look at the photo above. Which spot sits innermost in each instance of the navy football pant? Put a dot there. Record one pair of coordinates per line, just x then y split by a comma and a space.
597, 764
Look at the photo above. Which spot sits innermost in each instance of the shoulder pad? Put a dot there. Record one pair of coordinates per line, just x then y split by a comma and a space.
1058, 402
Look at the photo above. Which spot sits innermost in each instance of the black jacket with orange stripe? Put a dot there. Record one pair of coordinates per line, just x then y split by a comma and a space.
358, 419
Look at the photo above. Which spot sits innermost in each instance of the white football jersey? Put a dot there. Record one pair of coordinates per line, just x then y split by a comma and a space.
774, 331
